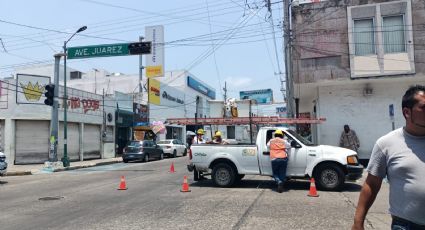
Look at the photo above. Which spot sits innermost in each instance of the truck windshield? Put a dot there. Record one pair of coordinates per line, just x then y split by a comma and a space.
300, 138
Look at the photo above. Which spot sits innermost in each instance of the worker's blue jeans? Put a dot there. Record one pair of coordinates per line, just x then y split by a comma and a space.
279, 169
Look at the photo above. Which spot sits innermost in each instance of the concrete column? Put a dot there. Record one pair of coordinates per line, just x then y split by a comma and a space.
81, 130
9, 140
102, 144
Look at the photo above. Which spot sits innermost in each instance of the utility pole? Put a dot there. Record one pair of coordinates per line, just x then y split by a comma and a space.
225, 99
250, 120
54, 121
225, 92
65, 158
140, 94
196, 109
104, 115
141, 74
288, 56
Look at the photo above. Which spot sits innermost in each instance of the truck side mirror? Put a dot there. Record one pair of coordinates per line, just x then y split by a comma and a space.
295, 144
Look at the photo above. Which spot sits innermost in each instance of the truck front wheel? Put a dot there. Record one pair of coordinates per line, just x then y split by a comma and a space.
223, 175
329, 177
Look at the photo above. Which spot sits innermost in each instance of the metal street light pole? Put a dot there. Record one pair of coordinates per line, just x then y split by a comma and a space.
65, 158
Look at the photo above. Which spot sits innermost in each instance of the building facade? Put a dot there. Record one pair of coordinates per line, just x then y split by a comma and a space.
178, 94
25, 122
352, 61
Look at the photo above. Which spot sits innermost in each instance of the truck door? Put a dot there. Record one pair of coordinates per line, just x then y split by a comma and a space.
264, 153
297, 156
297, 160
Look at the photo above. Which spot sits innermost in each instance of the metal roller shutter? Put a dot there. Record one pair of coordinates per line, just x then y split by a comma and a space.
91, 142
73, 138
32, 141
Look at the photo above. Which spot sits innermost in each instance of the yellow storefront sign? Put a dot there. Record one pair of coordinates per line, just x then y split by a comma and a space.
154, 71
154, 91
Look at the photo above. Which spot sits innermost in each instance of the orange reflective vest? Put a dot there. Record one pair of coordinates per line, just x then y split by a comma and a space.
277, 148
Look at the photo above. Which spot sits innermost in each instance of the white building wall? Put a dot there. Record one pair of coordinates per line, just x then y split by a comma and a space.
368, 115
46, 70
128, 84
11, 111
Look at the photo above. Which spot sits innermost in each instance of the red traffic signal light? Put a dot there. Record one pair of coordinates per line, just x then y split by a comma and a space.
49, 94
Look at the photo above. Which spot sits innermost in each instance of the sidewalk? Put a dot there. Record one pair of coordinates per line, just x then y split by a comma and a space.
21, 170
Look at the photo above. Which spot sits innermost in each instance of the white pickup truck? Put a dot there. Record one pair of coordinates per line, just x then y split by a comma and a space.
330, 166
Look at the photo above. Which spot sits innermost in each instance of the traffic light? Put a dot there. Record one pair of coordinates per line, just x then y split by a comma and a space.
49, 94
140, 48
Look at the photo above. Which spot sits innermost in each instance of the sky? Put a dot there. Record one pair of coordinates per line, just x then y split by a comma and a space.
234, 41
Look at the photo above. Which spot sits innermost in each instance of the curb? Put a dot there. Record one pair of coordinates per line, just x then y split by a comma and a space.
19, 173
24, 173
86, 166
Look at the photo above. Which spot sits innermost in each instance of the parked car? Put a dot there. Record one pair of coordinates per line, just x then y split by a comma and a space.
3, 164
142, 150
173, 147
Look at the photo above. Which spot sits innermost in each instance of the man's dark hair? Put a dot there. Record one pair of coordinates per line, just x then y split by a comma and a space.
278, 135
409, 100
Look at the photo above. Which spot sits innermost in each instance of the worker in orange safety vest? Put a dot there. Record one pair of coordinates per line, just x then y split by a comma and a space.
279, 149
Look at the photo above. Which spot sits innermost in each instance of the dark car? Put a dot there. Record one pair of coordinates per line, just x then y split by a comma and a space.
142, 150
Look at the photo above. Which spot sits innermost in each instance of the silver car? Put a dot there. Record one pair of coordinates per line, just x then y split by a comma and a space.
3, 164
173, 147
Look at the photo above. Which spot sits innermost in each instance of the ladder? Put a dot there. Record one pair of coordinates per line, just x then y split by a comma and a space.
273, 120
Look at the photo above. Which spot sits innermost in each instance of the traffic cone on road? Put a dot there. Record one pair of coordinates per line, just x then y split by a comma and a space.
185, 186
172, 168
123, 186
313, 191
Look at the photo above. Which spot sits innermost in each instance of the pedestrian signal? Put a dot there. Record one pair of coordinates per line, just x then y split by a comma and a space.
49, 94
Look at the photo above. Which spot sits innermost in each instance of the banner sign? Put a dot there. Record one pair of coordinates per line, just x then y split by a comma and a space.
161, 94
280, 110
81, 102
140, 115
30, 88
262, 96
155, 60
154, 92
198, 86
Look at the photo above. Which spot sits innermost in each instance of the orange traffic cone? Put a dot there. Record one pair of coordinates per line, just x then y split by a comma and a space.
172, 168
185, 186
313, 191
123, 186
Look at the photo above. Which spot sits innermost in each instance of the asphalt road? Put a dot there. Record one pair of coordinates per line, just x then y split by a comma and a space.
89, 199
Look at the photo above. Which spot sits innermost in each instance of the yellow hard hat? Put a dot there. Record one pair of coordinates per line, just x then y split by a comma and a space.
278, 132
200, 131
218, 134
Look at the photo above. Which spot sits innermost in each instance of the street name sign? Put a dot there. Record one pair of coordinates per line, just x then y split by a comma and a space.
108, 50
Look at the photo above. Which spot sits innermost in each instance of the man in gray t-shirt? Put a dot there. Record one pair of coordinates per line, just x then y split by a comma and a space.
399, 156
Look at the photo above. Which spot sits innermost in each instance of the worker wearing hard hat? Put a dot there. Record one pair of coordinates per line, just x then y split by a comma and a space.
218, 139
199, 139
279, 149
